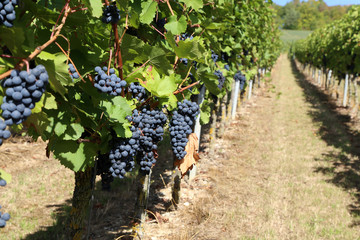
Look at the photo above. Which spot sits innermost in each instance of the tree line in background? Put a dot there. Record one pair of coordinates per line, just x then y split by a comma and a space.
309, 15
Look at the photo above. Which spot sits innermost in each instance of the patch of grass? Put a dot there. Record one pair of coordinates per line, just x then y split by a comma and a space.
289, 36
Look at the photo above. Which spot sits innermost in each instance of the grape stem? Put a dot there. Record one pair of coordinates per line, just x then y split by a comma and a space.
68, 57
187, 87
168, 3
117, 42
187, 75
158, 31
38, 49
137, 69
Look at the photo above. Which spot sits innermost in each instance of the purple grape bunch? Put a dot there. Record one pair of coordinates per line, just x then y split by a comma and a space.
4, 217
110, 84
111, 14
23, 90
7, 12
181, 126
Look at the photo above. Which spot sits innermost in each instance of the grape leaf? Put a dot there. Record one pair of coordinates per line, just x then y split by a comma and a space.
176, 26
117, 108
148, 11
73, 155
195, 4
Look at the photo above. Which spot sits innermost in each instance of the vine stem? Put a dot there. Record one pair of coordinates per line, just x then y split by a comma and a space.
168, 3
187, 75
68, 57
187, 87
38, 49
117, 42
158, 31
137, 69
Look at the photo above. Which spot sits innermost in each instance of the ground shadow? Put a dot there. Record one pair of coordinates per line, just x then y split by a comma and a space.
57, 230
342, 166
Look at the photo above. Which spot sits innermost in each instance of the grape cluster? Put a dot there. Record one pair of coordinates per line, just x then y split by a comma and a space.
225, 57
23, 90
72, 71
4, 217
221, 78
110, 84
103, 168
185, 36
111, 14
4, 134
122, 156
150, 123
137, 91
240, 77
160, 23
181, 126
214, 56
7, 12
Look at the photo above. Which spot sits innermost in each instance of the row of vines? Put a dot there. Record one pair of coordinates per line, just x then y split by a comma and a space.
102, 81
333, 54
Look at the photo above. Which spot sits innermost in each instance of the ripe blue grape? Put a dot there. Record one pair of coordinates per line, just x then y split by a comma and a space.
220, 77
7, 12
4, 217
214, 56
240, 77
23, 90
110, 84
137, 91
111, 14
181, 126
72, 72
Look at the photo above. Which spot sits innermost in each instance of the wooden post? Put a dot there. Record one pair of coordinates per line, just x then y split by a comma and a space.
346, 89
197, 130
212, 132
259, 77
223, 116
250, 89
235, 99
175, 188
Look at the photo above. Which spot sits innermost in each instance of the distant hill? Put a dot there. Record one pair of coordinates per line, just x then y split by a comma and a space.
309, 15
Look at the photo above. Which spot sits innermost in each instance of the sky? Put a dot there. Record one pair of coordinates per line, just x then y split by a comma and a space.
328, 2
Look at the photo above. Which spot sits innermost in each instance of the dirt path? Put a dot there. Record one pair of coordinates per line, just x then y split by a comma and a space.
275, 174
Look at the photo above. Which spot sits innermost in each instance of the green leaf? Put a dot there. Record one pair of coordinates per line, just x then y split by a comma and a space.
96, 6
123, 130
73, 131
6, 176
49, 101
191, 49
205, 112
176, 26
46, 56
73, 155
117, 108
195, 4
148, 11
160, 87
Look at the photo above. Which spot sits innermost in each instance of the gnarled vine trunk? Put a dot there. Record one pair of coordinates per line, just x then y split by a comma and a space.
80, 203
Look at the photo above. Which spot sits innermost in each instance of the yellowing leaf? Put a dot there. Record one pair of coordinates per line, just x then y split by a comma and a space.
192, 155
